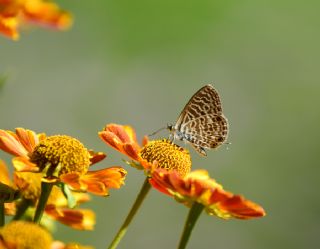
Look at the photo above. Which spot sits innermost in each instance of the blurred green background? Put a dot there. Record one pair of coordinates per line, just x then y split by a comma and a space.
138, 63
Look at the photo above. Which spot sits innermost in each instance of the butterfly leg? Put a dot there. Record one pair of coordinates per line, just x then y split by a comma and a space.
199, 149
202, 151
171, 137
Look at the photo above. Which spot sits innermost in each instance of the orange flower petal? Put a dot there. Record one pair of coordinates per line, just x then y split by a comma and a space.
10, 7
100, 181
199, 187
145, 140
22, 164
239, 207
4, 174
73, 180
159, 186
96, 157
165, 182
10, 208
60, 245
8, 27
13, 13
124, 133
219, 195
20, 143
29, 139
131, 151
9, 142
81, 197
121, 138
118, 132
81, 219
57, 245
97, 182
47, 13
131, 133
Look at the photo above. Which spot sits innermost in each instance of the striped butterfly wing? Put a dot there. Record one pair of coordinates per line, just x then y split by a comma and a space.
208, 131
201, 122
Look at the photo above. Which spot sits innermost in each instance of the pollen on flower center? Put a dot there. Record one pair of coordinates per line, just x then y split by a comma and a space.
167, 155
62, 154
22, 234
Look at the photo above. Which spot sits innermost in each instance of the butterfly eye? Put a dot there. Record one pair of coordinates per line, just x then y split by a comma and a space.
170, 127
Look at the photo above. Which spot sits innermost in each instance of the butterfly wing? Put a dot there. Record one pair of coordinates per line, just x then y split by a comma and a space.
208, 131
201, 122
204, 101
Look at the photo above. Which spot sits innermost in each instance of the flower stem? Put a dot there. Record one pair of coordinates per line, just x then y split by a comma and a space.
192, 218
143, 192
45, 192
1, 214
23, 206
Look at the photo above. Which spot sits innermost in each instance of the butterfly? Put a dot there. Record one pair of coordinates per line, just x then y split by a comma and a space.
201, 122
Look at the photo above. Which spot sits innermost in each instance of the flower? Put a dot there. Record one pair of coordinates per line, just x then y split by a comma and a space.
197, 186
24, 235
168, 167
158, 153
29, 186
153, 154
14, 13
60, 158
57, 206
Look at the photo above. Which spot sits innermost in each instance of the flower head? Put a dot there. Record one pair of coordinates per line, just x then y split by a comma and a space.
167, 155
24, 235
169, 167
57, 208
28, 185
61, 154
158, 153
60, 158
197, 186
14, 13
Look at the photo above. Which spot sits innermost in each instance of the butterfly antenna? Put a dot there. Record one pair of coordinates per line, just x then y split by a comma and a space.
154, 133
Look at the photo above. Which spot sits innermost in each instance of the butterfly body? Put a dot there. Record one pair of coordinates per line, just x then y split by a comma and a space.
201, 122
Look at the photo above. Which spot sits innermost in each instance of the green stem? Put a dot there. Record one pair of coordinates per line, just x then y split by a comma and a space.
45, 192
23, 206
192, 218
143, 192
1, 213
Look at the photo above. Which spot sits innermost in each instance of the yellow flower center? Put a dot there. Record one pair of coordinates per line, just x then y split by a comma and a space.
60, 155
25, 235
167, 155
